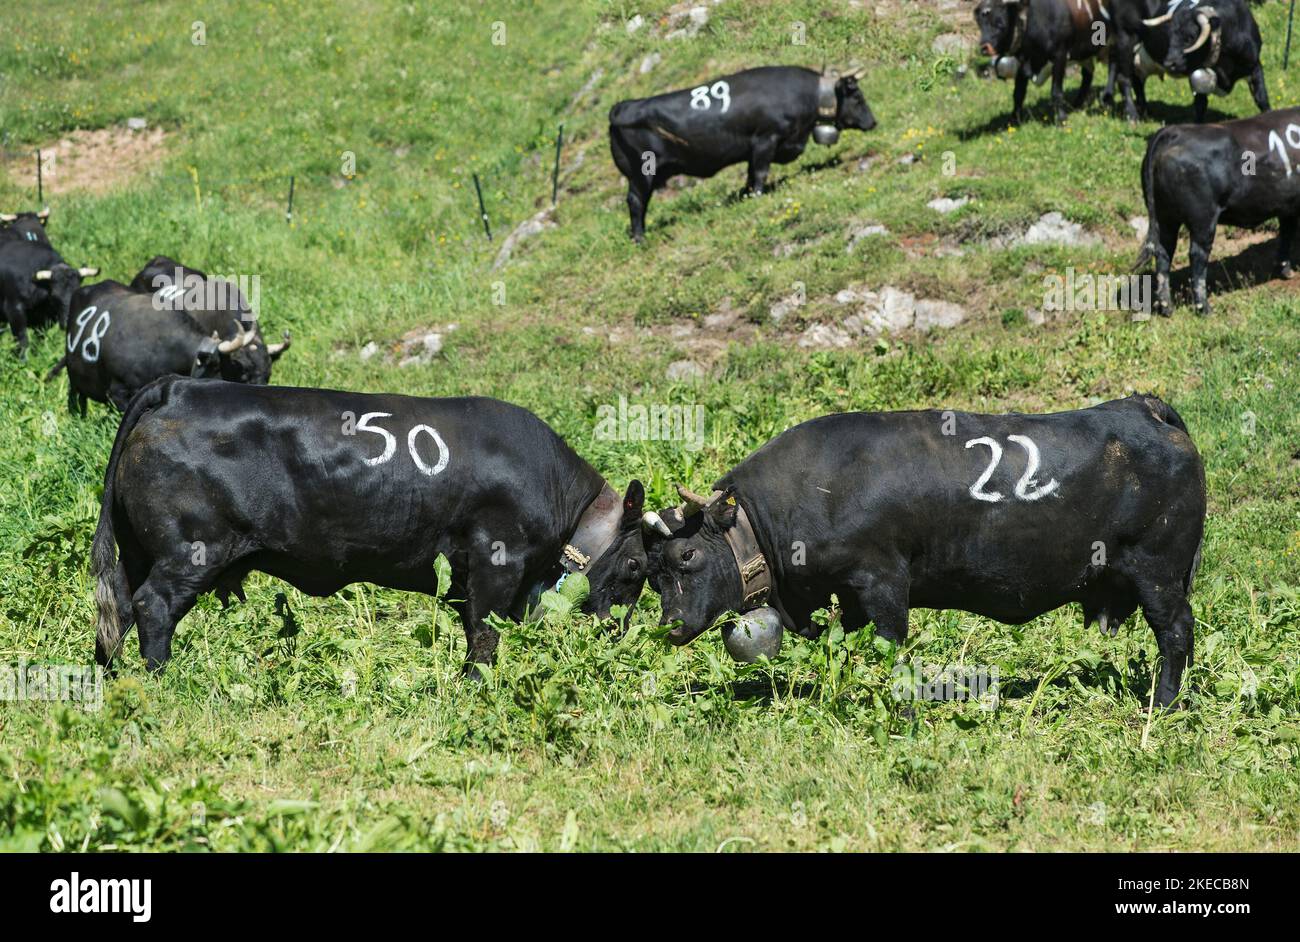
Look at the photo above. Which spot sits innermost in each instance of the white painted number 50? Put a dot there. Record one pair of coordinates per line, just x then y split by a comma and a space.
390, 444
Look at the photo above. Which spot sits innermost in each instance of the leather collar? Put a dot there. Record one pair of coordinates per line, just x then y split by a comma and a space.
597, 528
755, 574
827, 104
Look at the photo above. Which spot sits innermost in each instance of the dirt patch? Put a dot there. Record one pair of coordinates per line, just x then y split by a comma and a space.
92, 161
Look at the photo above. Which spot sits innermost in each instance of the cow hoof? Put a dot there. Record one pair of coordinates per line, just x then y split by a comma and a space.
1164, 309
1285, 271
1203, 309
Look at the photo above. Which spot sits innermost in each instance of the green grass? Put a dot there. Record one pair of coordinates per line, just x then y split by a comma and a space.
356, 732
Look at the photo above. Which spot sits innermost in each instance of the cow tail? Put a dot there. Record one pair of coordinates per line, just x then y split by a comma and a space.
54, 370
1149, 197
108, 570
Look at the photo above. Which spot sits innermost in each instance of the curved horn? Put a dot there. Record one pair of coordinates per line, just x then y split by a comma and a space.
694, 502
242, 338
90, 272
8, 217
1159, 20
655, 522
275, 349
44, 214
1201, 39
43, 275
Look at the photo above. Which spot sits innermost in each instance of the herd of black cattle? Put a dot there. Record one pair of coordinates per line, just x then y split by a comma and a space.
213, 474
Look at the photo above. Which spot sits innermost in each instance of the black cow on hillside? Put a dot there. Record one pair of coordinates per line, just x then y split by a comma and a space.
27, 226
762, 116
1213, 43
1007, 516
209, 480
36, 286
1242, 173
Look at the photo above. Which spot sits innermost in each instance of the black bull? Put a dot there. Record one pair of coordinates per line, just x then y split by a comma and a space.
1006, 516
208, 481
762, 116
1242, 173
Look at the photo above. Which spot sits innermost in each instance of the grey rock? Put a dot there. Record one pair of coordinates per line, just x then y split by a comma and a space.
945, 205
938, 314
825, 336
1054, 229
682, 371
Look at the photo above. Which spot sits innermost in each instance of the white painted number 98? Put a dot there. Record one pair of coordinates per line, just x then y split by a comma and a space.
91, 349
703, 95
390, 444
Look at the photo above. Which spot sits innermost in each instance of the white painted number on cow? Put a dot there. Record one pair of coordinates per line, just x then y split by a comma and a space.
1027, 488
1292, 138
390, 444
702, 97
91, 348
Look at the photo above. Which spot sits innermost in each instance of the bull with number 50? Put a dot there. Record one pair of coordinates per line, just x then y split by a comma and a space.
762, 116
1199, 176
1006, 516
210, 480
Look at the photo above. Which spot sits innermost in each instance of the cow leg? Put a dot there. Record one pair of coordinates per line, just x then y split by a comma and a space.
1122, 71
1285, 235
1165, 246
1108, 94
489, 590
162, 601
1081, 99
1202, 243
120, 396
1140, 96
1200, 104
17, 319
72, 399
1018, 96
1170, 616
1058, 87
1258, 90
880, 600
638, 198
760, 162
81, 403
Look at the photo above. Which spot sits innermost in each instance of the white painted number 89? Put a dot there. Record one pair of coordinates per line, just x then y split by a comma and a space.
390, 444
702, 95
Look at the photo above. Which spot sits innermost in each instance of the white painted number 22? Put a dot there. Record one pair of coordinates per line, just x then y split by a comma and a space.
1026, 488
390, 444
702, 97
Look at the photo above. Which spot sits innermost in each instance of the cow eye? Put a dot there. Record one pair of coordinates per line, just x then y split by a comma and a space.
633, 566
688, 555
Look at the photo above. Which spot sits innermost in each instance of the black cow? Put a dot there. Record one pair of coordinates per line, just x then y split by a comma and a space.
1007, 516
1214, 43
119, 341
209, 480
762, 115
36, 286
1026, 37
1242, 173
27, 226
216, 304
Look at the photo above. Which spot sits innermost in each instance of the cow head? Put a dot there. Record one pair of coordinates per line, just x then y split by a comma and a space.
617, 577
997, 22
851, 108
29, 226
695, 570
1194, 34
59, 282
241, 359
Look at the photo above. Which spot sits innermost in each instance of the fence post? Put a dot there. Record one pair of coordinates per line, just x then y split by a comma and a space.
555, 174
288, 213
40, 184
482, 211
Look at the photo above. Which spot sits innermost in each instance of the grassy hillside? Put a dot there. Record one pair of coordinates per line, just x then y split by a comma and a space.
342, 723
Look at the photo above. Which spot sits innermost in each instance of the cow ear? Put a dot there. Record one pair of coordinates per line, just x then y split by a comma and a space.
726, 509
634, 502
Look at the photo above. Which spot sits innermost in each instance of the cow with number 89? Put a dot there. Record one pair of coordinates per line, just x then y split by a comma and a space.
762, 116
1239, 173
210, 480
1007, 516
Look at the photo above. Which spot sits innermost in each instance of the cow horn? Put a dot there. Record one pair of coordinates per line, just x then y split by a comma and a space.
275, 349
8, 217
44, 214
43, 275
1159, 20
1201, 39
694, 503
88, 272
856, 73
242, 338
655, 522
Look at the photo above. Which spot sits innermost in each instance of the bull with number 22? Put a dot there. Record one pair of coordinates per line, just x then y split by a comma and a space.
1006, 516
209, 480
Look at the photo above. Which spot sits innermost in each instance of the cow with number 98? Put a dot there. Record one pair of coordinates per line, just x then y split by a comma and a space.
762, 116
1241, 173
1006, 516
210, 480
